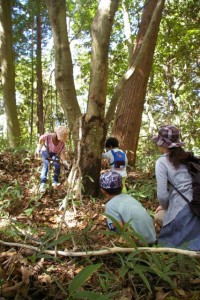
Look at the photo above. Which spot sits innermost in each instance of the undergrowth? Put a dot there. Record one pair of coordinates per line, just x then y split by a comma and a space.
30, 219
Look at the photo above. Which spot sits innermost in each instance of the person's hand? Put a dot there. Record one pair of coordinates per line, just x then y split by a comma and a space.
158, 209
38, 149
66, 164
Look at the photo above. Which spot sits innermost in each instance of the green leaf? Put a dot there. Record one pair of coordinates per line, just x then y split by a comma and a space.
82, 277
28, 212
58, 241
49, 257
90, 296
143, 277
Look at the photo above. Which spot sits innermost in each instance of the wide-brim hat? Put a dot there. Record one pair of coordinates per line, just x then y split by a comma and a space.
168, 137
110, 180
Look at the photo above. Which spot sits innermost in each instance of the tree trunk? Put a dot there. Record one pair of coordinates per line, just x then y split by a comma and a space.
93, 123
40, 117
8, 73
32, 85
128, 117
63, 64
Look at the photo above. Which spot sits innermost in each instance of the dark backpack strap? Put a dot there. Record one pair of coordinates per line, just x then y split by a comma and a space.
186, 199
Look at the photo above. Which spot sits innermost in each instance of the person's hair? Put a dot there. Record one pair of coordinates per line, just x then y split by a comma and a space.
113, 191
178, 155
112, 142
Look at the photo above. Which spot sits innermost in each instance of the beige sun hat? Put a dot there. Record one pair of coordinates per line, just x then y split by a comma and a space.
62, 133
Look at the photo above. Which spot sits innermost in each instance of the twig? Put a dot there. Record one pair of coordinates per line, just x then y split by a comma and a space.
79, 158
105, 251
76, 168
65, 201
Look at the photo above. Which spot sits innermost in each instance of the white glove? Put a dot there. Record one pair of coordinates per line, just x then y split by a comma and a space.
38, 149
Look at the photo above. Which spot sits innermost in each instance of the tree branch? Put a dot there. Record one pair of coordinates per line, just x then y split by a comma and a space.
104, 251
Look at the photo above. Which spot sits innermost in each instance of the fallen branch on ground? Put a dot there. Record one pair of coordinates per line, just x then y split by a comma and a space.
104, 251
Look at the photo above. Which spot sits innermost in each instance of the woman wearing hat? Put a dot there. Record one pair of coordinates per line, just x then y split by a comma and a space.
52, 146
180, 227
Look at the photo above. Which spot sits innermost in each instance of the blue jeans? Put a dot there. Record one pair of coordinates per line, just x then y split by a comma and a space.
45, 168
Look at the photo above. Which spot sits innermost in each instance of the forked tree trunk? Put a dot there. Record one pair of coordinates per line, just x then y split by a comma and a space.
128, 117
8, 73
93, 123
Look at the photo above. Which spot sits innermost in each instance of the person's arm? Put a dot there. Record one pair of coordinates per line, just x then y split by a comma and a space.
163, 192
63, 157
40, 144
159, 208
110, 211
106, 155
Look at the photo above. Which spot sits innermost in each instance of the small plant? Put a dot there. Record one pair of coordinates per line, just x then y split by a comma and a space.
10, 196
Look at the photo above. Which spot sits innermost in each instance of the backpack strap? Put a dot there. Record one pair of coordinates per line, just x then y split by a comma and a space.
185, 198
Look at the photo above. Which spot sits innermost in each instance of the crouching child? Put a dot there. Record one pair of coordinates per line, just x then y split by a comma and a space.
124, 208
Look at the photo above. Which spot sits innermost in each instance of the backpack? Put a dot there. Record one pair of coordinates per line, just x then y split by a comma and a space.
119, 160
194, 170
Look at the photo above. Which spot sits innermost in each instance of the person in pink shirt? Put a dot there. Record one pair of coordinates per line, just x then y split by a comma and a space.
51, 146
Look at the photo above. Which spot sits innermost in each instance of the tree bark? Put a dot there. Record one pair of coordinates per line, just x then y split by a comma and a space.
63, 64
8, 73
93, 123
40, 117
128, 117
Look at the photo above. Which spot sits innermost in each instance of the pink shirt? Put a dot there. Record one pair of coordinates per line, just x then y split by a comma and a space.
47, 138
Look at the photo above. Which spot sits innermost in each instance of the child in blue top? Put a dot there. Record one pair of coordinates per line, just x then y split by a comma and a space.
117, 159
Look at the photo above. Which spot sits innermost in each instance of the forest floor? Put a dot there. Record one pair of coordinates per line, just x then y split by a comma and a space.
34, 220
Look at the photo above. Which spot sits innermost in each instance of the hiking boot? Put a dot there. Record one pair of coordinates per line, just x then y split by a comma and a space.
55, 184
43, 187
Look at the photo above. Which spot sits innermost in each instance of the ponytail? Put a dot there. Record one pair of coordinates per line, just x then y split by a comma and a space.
179, 156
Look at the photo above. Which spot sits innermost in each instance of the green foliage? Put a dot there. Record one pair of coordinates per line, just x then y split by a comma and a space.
160, 268
172, 96
9, 196
81, 277
143, 189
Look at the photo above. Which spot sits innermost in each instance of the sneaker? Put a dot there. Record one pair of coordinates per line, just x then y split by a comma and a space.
55, 184
42, 188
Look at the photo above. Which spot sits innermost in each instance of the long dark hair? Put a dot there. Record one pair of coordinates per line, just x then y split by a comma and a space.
178, 155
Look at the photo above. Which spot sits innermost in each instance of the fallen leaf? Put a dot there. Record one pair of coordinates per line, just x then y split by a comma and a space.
181, 292
161, 295
45, 279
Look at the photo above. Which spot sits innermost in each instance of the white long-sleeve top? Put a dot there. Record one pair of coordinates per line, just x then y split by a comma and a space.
168, 197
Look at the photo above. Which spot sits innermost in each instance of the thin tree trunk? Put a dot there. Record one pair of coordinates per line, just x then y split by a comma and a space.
32, 88
40, 109
8, 73
128, 117
63, 65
